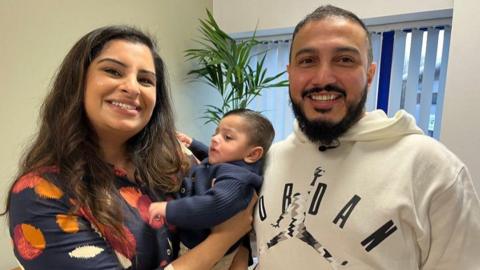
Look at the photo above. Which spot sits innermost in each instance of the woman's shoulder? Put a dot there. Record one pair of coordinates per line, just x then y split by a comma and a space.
35, 193
41, 214
42, 182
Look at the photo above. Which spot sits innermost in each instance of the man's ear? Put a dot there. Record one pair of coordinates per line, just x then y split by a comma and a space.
371, 73
254, 154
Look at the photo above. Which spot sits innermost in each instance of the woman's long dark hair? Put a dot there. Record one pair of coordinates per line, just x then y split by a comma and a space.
67, 141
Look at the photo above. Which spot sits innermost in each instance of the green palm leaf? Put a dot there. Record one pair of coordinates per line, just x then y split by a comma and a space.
226, 64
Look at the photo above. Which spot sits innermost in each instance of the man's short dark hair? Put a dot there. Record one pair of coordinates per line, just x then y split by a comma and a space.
326, 11
260, 130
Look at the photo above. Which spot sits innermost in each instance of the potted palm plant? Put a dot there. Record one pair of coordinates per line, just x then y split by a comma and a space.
230, 67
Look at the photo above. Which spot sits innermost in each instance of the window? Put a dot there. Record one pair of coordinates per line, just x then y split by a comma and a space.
274, 102
411, 74
411, 71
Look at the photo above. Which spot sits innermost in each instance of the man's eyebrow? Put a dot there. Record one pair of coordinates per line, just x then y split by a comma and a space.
107, 59
310, 50
347, 49
306, 50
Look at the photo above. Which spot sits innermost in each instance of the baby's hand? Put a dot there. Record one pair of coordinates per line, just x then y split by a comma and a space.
157, 213
183, 138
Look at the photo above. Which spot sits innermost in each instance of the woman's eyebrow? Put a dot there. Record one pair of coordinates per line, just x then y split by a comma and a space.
107, 59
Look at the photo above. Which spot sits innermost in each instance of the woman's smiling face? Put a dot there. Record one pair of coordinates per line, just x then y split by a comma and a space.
120, 90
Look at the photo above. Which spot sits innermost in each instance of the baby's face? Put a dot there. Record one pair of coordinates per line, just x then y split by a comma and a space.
230, 141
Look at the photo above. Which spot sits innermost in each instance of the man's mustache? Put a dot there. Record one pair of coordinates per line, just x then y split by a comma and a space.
328, 88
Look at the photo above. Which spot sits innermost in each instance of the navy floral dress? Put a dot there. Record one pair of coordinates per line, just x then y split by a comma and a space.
46, 235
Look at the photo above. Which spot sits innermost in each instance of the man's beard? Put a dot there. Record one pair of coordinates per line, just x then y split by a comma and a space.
324, 131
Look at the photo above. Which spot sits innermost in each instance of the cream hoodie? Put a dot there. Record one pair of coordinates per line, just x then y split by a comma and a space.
388, 197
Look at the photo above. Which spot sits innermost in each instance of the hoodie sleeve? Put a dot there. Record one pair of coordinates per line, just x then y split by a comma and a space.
455, 227
231, 192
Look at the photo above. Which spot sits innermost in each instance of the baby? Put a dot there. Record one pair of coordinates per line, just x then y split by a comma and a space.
223, 183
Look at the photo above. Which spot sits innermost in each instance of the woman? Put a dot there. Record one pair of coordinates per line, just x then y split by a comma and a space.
105, 149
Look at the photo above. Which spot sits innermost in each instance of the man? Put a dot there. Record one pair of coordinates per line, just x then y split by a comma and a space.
356, 190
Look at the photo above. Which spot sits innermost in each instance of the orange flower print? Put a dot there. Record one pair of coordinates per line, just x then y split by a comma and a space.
131, 195
141, 202
68, 223
42, 187
29, 241
47, 190
29, 180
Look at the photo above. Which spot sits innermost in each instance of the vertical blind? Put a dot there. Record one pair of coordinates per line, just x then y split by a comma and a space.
413, 65
411, 71
274, 102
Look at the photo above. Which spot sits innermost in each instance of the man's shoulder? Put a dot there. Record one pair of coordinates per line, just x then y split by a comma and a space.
428, 146
431, 153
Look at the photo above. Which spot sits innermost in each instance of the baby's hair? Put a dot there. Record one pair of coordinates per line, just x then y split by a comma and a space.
260, 130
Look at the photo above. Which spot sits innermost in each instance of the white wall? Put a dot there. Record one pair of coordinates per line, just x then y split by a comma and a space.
242, 16
460, 125
36, 35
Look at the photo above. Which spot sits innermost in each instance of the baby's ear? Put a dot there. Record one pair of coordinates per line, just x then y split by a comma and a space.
254, 154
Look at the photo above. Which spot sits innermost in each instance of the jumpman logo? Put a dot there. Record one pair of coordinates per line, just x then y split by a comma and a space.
297, 229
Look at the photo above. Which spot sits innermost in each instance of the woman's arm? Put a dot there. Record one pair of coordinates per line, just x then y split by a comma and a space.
240, 261
206, 254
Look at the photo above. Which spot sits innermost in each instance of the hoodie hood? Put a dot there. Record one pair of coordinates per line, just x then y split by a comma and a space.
375, 125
